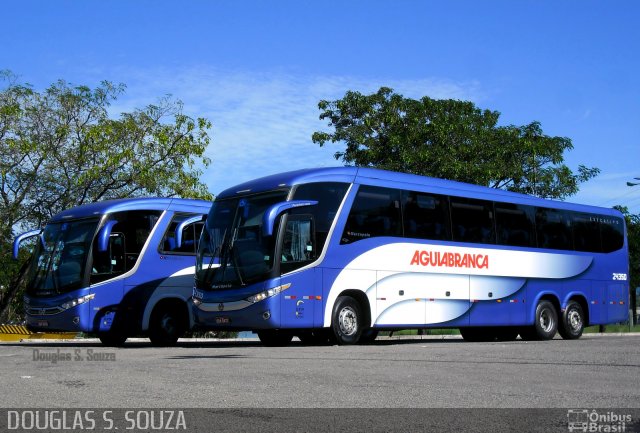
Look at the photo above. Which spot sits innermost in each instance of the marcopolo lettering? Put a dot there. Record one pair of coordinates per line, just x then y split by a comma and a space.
450, 260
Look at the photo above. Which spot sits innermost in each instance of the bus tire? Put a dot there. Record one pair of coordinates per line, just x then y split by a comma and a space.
112, 339
545, 323
572, 321
167, 324
347, 320
275, 337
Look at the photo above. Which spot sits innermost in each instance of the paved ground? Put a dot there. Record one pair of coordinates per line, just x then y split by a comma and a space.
595, 371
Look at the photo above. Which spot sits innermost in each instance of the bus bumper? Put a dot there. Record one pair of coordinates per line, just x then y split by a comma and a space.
208, 315
51, 317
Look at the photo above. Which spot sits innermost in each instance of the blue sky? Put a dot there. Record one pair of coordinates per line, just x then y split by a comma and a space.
257, 69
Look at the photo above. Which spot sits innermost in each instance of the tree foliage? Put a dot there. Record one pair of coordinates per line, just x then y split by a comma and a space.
449, 139
633, 239
61, 147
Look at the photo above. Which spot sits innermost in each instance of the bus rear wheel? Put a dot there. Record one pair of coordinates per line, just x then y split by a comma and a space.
347, 320
572, 322
545, 324
275, 337
167, 324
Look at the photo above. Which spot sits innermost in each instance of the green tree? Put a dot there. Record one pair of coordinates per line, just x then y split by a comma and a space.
61, 148
448, 139
633, 239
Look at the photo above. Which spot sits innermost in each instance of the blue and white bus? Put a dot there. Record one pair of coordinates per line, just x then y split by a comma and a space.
345, 252
116, 268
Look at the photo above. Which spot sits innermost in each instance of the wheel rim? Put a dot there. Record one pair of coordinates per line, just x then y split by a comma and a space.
348, 321
574, 320
546, 320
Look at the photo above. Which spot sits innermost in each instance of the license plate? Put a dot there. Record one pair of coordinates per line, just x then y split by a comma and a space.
222, 320
43, 323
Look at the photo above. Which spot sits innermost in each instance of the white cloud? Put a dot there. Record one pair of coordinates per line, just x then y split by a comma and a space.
608, 190
263, 121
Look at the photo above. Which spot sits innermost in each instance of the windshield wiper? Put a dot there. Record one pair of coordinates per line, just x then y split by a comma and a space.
227, 256
215, 253
233, 257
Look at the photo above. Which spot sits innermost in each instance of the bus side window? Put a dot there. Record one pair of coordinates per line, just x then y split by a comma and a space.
109, 263
298, 243
553, 229
375, 212
612, 234
472, 220
329, 196
425, 216
515, 225
586, 232
127, 239
189, 235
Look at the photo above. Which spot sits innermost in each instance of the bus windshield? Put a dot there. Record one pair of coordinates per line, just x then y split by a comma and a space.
58, 262
233, 250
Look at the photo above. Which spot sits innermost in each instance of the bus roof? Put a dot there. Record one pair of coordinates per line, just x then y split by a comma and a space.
400, 180
125, 204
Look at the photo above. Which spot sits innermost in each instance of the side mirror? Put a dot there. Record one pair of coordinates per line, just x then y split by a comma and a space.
104, 234
23, 237
270, 215
181, 227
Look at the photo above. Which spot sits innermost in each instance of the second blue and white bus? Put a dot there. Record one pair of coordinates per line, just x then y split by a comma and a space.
341, 253
116, 268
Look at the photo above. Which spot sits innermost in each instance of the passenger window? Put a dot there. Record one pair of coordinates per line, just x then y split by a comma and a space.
128, 236
586, 232
375, 212
425, 216
472, 220
515, 225
183, 234
329, 196
553, 229
612, 234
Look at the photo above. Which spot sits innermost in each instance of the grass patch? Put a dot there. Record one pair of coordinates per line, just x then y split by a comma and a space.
612, 329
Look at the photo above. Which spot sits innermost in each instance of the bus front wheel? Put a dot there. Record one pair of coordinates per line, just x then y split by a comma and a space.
347, 320
572, 322
167, 324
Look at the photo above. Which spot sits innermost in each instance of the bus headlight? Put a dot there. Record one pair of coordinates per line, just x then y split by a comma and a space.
74, 302
268, 293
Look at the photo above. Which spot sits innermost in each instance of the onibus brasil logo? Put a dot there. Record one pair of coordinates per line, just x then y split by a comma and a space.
584, 420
